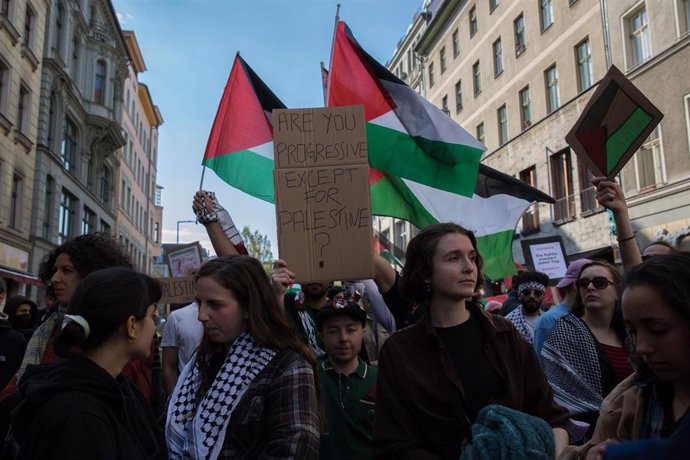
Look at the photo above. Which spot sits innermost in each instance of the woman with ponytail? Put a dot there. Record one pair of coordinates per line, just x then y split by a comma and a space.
82, 406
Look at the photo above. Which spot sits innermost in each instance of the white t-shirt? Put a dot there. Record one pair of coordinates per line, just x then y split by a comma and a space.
531, 322
184, 331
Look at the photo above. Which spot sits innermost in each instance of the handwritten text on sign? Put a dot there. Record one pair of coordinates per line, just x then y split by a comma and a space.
323, 212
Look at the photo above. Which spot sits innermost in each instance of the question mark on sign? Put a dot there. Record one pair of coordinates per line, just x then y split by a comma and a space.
326, 240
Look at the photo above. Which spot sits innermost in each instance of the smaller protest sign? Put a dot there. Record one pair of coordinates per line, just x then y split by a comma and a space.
614, 124
184, 259
546, 255
177, 290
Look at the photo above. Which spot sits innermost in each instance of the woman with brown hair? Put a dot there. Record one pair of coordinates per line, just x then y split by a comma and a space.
584, 357
249, 392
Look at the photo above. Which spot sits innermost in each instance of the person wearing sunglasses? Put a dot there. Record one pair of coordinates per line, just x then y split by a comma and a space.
531, 287
584, 357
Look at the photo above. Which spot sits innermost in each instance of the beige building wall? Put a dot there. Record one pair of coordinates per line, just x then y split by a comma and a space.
136, 211
540, 144
22, 30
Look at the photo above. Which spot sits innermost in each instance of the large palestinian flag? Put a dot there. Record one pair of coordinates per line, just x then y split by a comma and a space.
407, 136
240, 146
497, 200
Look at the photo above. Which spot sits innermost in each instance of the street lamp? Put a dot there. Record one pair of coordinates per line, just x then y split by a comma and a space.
178, 227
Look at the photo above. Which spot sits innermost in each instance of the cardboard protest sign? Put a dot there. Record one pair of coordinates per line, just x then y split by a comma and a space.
177, 290
614, 124
183, 259
546, 255
321, 177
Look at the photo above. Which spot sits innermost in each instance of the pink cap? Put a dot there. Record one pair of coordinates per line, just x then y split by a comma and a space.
572, 273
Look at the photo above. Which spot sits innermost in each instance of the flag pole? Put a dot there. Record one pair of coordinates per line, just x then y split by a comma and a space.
335, 31
201, 184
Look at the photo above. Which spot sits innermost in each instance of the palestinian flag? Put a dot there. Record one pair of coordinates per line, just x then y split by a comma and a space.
381, 249
407, 136
614, 124
240, 146
497, 200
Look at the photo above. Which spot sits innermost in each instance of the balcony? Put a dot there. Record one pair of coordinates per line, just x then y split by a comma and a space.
588, 201
530, 221
564, 209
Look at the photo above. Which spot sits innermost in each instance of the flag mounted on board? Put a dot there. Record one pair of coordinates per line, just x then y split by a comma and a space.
240, 146
496, 201
614, 124
381, 245
407, 136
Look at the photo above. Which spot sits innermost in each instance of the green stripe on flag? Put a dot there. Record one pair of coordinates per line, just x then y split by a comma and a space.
421, 160
497, 252
391, 197
620, 141
246, 171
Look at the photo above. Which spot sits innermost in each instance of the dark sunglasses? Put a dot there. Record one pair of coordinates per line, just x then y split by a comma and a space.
599, 282
534, 292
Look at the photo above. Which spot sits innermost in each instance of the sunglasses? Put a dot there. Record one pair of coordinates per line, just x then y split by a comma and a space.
532, 292
599, 282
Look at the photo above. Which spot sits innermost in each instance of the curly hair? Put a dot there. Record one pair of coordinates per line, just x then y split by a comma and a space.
526, 277
419, 259
88, 253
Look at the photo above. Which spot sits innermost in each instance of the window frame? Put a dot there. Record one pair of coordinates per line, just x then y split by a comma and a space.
16, 216
69, 151
442, 59
474, 26
502, 118
455, 40
430, 72
546, 6
458, 96
531, 214
525, 109
519, 35
476, 78
497, 49
584, 64
562, 160
550, 106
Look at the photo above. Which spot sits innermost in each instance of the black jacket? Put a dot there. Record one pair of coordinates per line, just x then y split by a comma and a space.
74, 409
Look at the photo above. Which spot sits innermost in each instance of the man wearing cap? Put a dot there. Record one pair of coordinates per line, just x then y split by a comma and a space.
531, 287
568, 292
348, 384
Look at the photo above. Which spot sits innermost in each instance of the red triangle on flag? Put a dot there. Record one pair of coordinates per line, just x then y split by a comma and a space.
594, 141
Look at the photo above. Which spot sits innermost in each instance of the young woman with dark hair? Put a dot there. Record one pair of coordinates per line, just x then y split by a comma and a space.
584, 356
249, 392
654, 402
82, 406
436, 376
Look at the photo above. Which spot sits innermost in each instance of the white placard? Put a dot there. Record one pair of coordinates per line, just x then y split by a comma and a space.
549, 258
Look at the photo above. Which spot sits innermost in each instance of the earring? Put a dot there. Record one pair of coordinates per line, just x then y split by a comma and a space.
427, 286
132, 339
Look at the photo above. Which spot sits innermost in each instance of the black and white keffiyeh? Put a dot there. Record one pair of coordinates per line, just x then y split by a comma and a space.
196, 429
571, 365
517, 317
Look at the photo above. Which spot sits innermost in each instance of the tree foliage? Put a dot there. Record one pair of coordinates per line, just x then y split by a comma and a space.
259, 246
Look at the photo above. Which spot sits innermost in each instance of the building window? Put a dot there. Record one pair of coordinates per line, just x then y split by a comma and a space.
23, 110
59, 19
546, 14
502, 125
106, 180
456, 43
562, 186
52, 119
552, 96
684, 16
122, 196
5, 8
400, 234
588, 201
105, 228
29, 26
476, 79
442, 58
156, 233
525, 108
444, 105
473, 21
48, 206
493, 4
68, 149
519, 28
530, 218
480, 132
584, 65
4, 86
431, 74
16, 203
409, 62
74, 67
639, 37
458, 96
88, 221
498, 57
99, 88
648, 165
66, 218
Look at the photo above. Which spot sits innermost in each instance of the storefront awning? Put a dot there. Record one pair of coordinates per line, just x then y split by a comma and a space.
20, 276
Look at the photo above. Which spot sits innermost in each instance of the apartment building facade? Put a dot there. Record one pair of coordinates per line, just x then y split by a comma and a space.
517, 74
22, 29
80, 114
138, 215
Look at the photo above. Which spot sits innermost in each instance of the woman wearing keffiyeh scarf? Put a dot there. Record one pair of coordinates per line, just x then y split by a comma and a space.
584, 357
249, 391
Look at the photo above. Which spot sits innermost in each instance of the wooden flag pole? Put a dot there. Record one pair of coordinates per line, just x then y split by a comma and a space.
201, 184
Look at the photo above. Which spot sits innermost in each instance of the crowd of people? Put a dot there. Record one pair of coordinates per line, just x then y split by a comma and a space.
410, 365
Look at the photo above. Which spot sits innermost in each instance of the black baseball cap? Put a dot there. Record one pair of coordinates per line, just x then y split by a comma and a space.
350, 309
